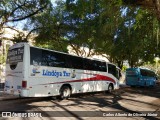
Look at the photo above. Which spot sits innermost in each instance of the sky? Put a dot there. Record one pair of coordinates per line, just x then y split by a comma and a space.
52, 1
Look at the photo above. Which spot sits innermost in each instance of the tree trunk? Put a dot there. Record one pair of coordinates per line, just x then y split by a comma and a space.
119, 63
131, 64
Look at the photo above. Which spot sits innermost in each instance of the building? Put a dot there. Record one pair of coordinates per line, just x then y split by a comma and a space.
5, 42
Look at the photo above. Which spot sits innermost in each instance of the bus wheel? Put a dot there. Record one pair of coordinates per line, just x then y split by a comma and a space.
110, 88
65, 92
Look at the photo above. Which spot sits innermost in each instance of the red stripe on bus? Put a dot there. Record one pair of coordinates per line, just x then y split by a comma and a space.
96, 78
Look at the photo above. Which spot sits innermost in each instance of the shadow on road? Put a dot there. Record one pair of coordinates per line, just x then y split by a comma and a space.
100, 100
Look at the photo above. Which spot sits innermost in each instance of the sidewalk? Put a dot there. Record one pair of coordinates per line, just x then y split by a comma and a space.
123, 85
4, 96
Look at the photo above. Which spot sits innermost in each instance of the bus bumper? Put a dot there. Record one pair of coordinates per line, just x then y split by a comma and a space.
20, 93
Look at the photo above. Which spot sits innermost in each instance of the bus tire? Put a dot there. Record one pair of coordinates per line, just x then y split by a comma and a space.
110, 88
65, 92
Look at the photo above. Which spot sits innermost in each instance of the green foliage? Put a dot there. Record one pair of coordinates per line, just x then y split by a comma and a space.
12, 11
51, 30
124, 68
155, 66
102, 27
106, 26
95, 23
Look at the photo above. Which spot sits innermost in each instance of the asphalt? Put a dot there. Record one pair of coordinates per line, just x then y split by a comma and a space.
4, 96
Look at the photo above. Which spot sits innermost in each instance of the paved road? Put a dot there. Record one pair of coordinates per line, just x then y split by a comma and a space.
124, 100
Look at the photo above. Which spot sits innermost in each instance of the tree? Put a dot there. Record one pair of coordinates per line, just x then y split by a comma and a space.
135, 42
95, 23
100, 27
51, 31
12, 11
113, 29
153, 5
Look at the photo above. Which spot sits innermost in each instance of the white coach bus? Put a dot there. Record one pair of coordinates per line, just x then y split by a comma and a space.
37, 72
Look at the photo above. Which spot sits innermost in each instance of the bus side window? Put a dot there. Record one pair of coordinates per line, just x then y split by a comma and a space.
103, 67
73, 62
112, 70
88, 64
143, 72
36, 56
